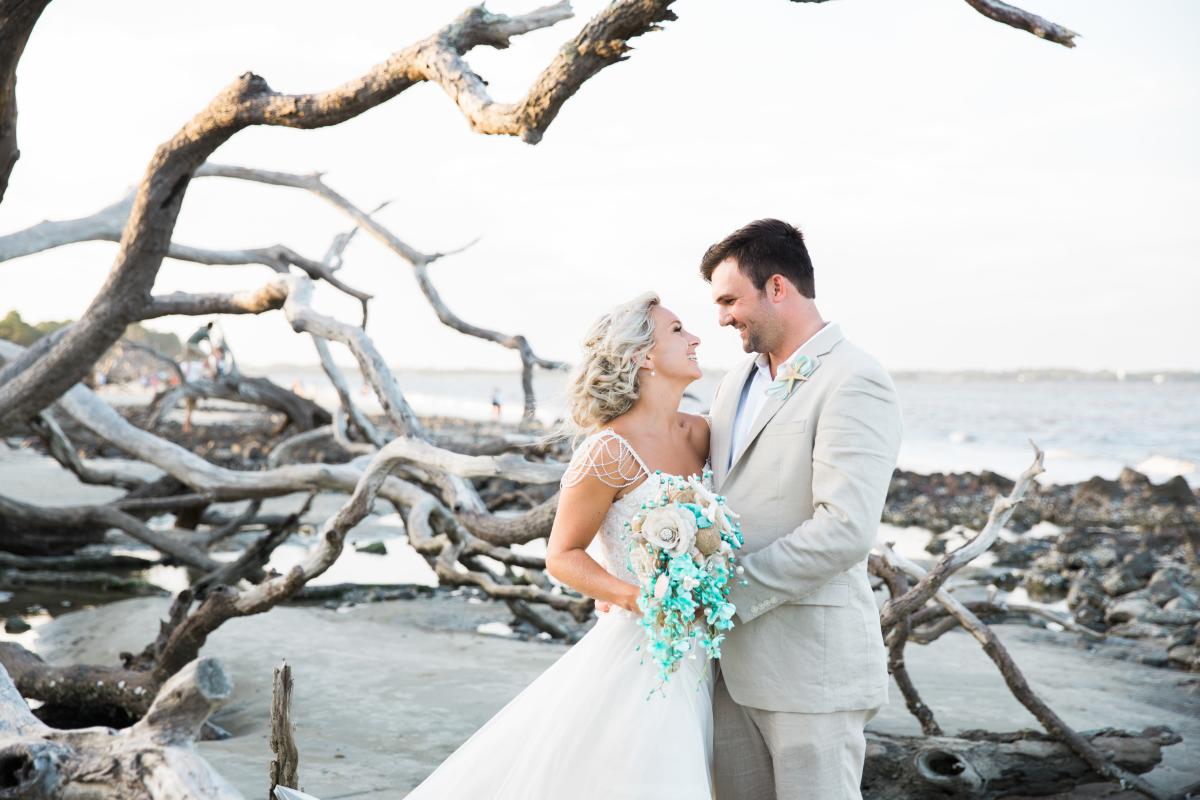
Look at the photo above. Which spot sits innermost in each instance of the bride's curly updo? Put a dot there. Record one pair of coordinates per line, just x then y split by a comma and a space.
605, 383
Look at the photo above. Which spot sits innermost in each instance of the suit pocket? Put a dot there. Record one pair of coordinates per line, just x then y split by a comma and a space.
785, 428
833, 593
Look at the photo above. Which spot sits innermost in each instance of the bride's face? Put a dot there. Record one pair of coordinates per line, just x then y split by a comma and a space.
674, 353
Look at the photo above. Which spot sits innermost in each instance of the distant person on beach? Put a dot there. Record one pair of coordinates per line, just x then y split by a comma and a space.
497, 403
194, 350
191, 371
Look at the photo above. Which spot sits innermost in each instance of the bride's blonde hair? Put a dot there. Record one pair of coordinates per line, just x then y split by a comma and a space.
605, 383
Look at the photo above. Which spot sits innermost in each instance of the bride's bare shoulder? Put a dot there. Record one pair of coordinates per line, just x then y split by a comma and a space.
697, 432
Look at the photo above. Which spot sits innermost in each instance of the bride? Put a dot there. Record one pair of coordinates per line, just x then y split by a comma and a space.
594, 724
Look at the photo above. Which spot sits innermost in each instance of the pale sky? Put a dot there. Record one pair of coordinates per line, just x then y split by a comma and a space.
973, 197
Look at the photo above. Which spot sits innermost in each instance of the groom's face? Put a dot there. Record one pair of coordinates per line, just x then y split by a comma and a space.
743, 307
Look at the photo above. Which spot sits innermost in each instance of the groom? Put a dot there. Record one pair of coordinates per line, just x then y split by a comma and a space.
804, 439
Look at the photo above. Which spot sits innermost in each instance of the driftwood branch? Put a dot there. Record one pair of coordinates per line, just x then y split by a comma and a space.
898, 608
1020, 687
17, 19
286, 763
62, 451
419, 261
107, 225
363, 425
1023, 20
249, 100
897, 638
152, 760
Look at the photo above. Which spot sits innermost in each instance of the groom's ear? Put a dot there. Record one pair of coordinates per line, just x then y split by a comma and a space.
776, 287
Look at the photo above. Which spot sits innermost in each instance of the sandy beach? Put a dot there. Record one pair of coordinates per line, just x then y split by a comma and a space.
385, 691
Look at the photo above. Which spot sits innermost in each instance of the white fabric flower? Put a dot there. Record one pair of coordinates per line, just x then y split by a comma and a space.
671, 529
643, 562
660, 586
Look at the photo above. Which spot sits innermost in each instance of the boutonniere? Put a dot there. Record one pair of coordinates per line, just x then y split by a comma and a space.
791, 372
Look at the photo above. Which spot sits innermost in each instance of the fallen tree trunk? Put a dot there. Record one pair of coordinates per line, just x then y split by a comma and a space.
153, 760
301, 412
982, 765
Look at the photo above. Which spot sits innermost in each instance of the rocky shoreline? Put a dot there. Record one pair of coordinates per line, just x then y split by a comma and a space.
1123, 554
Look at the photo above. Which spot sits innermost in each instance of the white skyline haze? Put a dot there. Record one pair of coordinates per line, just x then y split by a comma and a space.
973, 197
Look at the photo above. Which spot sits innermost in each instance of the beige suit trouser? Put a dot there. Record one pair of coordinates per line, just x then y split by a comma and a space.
782, 755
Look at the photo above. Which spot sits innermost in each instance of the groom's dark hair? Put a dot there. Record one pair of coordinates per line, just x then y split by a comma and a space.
764, 248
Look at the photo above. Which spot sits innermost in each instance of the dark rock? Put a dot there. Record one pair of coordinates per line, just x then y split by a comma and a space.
1121, 580
1127, 609
372, 548
1186, 656
1086, 591
1132, 480
1178, 616
1006, 581
1175, 491
1090, 617
1021, 553
1162, 583
1183, 636
16, 625
1154, 657
936, 546
1046, 586
1142, 564
1135, 629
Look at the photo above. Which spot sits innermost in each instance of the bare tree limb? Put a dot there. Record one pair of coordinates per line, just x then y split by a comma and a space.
62, 451
1023, 20
419, 261
1002, 510
304, 319
897, 637
250, 101
107, 224
267, 297
17, 18
359, 419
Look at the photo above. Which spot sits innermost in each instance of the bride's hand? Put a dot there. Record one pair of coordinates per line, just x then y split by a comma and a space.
628, 599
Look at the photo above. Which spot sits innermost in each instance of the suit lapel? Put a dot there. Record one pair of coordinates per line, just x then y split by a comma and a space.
723, 416
818, 345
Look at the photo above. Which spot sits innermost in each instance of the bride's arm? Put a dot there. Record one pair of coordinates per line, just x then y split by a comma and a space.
581, 510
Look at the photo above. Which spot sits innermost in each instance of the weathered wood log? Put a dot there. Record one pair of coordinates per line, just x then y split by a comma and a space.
46, 538
301, 412
79, 579
285, 766
152, 760
980, 765
80, 561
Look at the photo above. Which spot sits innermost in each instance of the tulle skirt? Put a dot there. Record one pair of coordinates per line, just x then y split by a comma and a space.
593, 725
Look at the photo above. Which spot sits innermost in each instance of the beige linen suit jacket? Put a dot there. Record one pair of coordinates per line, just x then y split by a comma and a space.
809, 484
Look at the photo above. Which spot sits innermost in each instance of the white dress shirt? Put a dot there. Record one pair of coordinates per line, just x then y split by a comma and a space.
754, 395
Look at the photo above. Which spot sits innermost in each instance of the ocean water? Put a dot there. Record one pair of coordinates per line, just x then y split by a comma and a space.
1085, 427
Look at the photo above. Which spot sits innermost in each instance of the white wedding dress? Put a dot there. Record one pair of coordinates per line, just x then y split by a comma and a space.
596, 725
592, 725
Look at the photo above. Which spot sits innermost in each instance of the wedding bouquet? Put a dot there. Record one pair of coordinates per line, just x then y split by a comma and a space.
681, 548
